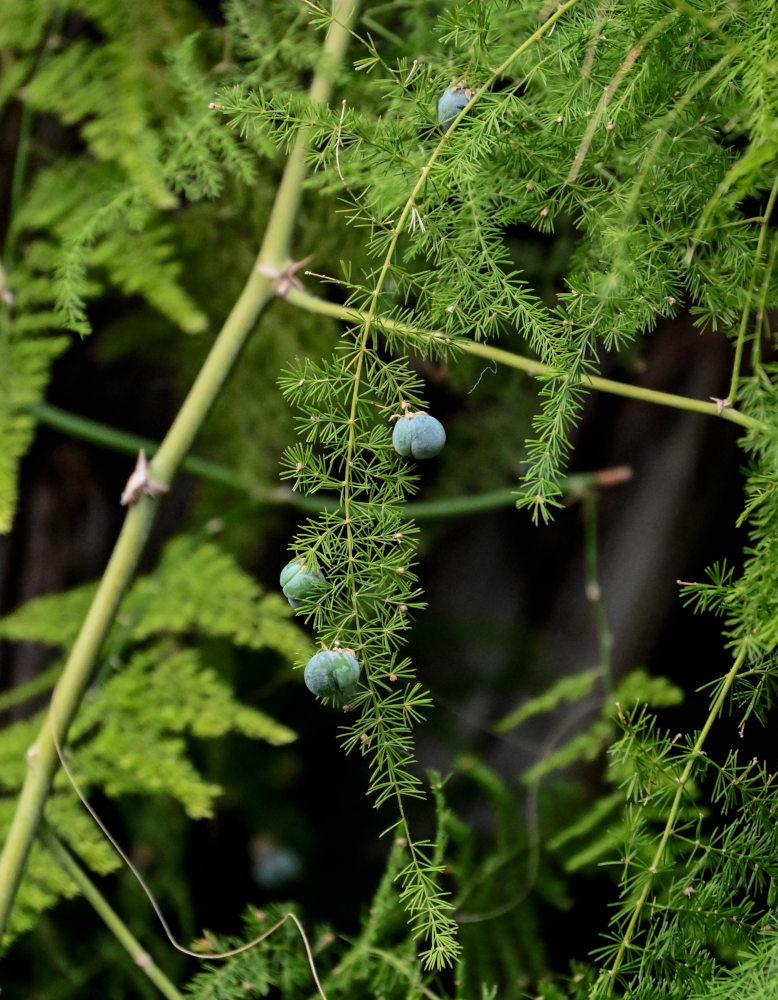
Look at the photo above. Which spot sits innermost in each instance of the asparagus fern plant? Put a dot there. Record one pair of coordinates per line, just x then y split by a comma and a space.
640, 140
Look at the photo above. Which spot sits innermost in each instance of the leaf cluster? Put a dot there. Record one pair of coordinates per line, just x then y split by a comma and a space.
638, 132
159, 689
646, 134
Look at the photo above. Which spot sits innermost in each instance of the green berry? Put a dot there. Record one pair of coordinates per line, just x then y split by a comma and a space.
299, 584
332, 673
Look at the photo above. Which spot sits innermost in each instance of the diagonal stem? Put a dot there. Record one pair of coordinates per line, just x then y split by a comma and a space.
109, 916
257, 293
741, 337
537, 369
609, 978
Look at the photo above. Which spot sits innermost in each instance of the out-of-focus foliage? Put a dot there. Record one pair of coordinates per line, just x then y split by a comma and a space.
159, 685
614, 166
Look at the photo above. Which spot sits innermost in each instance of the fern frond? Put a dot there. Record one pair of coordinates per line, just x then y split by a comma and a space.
159, 691
25, 365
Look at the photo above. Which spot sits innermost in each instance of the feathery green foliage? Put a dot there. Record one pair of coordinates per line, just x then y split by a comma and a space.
25, 365
156, 687
380, 958
638, 140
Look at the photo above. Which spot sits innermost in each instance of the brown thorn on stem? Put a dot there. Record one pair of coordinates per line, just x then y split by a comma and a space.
286, 279
140, 484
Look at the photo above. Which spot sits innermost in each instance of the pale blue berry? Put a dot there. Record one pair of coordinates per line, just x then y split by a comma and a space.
450, 104
427, 436
401, 437
418, 434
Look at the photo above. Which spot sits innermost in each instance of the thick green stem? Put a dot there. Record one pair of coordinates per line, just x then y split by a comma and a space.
258, 291
252, 301
118, 440
281, 496
109, 916
535, 368
42, 755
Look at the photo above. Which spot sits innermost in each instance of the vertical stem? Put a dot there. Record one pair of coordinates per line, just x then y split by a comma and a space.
287, 202
109, 916
741, 337
608, 979
42, 755
761, 320
594, 590
23, 143
257, 293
